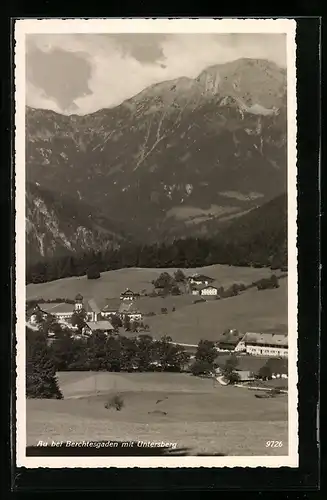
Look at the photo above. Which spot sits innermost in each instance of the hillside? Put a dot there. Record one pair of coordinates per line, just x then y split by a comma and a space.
57, 224
172, 158
253, 310
112, 283
259, 235
255, 239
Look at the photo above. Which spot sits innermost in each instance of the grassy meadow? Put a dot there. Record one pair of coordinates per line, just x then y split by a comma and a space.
194, 413
253, 310
112, 283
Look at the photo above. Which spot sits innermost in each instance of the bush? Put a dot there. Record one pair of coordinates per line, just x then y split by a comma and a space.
265, 372
93, 273
116, 401
201, 367
179, 276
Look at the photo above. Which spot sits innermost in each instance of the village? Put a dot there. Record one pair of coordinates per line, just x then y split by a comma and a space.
127, 315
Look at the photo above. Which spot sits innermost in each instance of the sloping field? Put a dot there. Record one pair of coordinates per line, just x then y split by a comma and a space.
112, 283
75, 384
253, 310
175, 408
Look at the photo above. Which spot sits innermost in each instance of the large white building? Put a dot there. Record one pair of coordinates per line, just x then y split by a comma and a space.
205, 291
264, 344
63, 312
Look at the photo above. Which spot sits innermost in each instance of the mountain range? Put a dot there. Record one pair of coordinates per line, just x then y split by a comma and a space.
183, 157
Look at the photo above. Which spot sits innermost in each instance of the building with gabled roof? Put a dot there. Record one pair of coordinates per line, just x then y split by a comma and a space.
111, 307
103, 326
264, 344
60, 310
205, 291
129, 310
129, 295
229, 340
200, 279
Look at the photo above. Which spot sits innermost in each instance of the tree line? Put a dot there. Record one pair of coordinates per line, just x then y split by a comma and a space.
183, 253
117, 353
101, 352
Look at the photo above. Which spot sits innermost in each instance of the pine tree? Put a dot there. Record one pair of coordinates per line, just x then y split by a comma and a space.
41, 380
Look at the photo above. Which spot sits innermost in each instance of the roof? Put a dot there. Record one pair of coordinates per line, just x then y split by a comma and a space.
100, 325
201, 277
230, 337
128, 308
129, 292
57, 308
94, 306
112, 305
278, 339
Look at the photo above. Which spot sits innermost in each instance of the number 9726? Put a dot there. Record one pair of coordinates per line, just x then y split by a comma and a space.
274, 444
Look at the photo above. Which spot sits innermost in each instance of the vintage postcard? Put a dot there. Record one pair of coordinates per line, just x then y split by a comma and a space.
156, 258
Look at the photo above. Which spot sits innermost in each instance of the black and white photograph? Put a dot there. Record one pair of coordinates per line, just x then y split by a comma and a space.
156, 258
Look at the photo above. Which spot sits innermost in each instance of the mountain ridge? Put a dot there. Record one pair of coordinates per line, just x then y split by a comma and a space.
169, 152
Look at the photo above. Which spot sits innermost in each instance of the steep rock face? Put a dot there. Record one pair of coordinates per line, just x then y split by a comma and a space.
55, 225
177, 155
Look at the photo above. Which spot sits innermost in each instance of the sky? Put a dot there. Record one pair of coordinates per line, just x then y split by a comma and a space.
82, 73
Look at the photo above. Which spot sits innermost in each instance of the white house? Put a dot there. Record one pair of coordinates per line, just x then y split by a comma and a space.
200, 279
205, 291
129, 295
111, 307
264, 344
60, 310
209, 291
129, 310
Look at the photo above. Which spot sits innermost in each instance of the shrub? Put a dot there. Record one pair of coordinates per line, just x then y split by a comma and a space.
93, 275
115, 401
201, 367
179, 276
265, 372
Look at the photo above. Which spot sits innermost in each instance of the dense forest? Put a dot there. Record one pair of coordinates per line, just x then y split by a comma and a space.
256, 239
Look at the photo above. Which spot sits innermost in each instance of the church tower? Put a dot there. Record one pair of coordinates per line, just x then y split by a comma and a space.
78, 302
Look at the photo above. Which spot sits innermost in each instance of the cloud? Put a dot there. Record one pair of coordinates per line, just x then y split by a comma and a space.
84, 73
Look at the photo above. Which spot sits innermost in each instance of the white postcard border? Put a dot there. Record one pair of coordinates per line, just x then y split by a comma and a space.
46, 26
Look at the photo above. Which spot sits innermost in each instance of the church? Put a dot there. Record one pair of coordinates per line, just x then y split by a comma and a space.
63, 313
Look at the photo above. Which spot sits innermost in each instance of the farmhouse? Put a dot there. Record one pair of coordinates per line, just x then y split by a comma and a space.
205, 291
61, 311
200, 279
128, 310
264, 344
129, 295
111, 308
